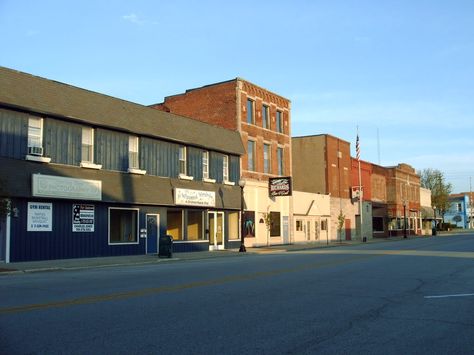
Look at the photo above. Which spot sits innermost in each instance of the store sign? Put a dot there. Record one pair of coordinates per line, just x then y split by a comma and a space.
83, 218
199, 198
40, 217
279, 186
64, 187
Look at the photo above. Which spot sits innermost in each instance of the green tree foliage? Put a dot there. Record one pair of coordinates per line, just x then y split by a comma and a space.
433, 180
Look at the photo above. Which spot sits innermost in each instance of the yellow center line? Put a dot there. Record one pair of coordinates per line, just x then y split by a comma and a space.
163, 289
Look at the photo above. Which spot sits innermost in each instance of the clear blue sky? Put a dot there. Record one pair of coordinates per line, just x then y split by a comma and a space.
402, 69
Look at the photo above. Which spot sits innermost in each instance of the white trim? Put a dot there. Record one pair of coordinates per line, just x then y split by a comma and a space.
7, 239
136, 171
88, 165
185, 177
209, 180
37, 158
138, 225
230, 183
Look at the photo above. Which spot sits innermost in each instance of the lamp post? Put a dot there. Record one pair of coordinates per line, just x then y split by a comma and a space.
242, 243
404, 219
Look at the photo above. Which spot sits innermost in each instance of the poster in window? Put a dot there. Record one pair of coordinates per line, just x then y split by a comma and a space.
83, 218
40, 217
248, 221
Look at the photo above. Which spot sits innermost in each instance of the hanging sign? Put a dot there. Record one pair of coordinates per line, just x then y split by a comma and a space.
82, 218
280, 186
40, 217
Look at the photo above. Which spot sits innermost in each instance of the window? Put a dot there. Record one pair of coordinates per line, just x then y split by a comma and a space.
324, 224
182, 160
251, 155
225, 168
280, 160
123, 226
133, 162
250, 112
274, 224
205, 164
377, 223
175, 224
299, 225
279, 122
265, 117
35, 133
459, 209
87, 145
234, 225
266, 158
195, 225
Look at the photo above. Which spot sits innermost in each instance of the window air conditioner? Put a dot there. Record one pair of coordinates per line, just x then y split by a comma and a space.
35, 151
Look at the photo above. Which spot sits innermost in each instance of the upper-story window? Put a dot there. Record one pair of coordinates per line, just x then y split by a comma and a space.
250, 111
87, 145
205, 164
266, 158
35, 136
133, 162
182, 160
265, 117
280, 160
279, 122
251, 155
225, 168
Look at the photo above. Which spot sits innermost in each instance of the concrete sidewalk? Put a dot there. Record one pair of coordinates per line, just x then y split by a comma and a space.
111, 261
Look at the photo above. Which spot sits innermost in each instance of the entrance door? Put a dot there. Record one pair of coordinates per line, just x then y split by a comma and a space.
216, 230
348, 229
152, 233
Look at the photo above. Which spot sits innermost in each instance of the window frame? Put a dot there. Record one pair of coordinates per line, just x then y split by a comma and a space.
182, 158
250, 111
251, 157
280, 161
30, 135
90, 158
267, 162
205, 164
137, 210
279, 121
225, 168
266, 116
133, 155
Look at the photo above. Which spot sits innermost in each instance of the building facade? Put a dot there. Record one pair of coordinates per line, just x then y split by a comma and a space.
263, 120
459, 212
91, 175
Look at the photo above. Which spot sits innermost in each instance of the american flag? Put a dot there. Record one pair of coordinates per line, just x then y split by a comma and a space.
357, 147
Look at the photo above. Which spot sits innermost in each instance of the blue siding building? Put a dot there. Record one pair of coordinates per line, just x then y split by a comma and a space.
91, 175
458, 212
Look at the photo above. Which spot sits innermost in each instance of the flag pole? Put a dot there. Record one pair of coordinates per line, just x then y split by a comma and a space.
360, 189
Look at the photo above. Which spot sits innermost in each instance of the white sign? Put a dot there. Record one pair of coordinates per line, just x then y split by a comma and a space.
64, 187
40, 217
82, 218
195, 197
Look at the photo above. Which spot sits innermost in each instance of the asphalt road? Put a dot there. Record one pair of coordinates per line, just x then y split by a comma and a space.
405, 297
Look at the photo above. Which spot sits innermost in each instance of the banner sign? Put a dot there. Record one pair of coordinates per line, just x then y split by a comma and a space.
40, 217
65, 187
82, 218
280, 186
199, 198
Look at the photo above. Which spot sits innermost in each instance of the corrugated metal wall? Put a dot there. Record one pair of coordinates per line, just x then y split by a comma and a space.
62, 141
159, 158
195, 162
13, 134
234, 169
111, 149
216, 166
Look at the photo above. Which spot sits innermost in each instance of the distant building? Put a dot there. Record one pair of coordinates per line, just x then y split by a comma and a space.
263, 120
459, 212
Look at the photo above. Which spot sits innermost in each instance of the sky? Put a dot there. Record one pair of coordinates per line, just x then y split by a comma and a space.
399, 72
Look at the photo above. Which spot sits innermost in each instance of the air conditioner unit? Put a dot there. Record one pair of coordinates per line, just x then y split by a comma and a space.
35, 151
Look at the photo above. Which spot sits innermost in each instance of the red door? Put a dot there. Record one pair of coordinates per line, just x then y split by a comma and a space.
348, 229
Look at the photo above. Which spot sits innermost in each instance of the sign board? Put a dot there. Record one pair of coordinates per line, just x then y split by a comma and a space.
83, 218
199, 198
40, 217
280, 186
65, 187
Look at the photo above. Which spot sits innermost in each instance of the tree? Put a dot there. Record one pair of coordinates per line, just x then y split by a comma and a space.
340, 223
433, 180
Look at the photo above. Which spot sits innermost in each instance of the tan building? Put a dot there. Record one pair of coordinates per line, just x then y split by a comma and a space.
263, 120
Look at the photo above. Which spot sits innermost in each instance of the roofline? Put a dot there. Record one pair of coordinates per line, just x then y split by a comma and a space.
320, 135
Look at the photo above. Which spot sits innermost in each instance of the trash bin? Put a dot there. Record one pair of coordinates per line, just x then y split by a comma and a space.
166, 246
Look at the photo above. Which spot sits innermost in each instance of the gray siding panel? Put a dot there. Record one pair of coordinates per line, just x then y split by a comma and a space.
215, 170
13, 134
159, 158
62, 141
234, 169
111, 150
195, 162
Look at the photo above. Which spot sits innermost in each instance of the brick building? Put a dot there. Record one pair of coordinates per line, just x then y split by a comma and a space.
263, 120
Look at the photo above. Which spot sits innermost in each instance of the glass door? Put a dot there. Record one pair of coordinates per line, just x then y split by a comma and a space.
216, 230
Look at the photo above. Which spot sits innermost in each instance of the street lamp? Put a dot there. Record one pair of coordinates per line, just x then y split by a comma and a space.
404, 219
242, 243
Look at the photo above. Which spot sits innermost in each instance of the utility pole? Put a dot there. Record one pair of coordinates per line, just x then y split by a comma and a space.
470, 202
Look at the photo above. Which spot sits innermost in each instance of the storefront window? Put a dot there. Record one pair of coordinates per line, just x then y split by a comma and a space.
175, 224
274, 224
195, 225
299, 225
233, 225
123, 226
